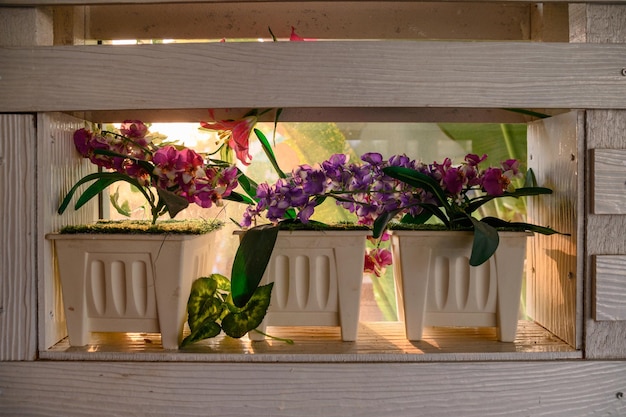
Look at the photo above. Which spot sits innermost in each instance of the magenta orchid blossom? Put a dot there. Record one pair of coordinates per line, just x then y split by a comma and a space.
179, 175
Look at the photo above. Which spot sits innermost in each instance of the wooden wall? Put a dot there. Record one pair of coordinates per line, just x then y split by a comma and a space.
441, 77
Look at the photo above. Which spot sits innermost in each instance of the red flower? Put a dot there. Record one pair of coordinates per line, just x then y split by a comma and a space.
237, 133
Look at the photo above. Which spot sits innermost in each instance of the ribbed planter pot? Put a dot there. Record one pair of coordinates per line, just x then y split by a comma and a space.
129, 282
317, 279
437, 287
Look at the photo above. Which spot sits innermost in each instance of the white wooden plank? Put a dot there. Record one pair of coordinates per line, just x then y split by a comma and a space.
511, 389
554, 267
59, 168
610, 288
312, 20
609, 181
313, 74
18, 305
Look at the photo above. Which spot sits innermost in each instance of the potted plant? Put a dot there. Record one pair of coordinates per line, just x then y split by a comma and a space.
379, 191
316, 268
137, 276
465, 271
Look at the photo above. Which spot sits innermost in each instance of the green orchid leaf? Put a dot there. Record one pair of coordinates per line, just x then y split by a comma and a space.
272, 34
174, 203
102, 181
268, 151
528, 113
206, 330
278, 113
122, 208
248, 185
204, 303
520, 192
485, 243
249, 317
239, 198
290, 214
421, 218
251, 260
521, 226
96, 188
416, 179
319, 200
530, 180
381, 222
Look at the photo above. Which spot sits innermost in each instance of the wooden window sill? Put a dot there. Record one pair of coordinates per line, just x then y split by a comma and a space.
377, 342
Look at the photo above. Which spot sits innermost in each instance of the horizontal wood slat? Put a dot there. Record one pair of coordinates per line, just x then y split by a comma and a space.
101, 2
512, 389
313, 74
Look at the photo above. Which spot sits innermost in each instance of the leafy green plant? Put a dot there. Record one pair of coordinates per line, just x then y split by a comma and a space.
179, 175
211, 309
456, 210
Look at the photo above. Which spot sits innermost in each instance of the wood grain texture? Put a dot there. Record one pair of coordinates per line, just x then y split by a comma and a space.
21, 26
312, 20
609, 181
313, 74
18, 305
511, 389
377, 342
610, 287
595, 24
60, 167
355, 2
555, 277
605, 236
325, 114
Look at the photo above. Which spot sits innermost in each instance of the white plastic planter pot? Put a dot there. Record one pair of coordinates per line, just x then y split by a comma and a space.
437, 287
317, 279
129, 282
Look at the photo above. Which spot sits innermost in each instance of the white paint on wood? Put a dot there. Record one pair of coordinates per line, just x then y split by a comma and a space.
18, 305
511, 389
610, 288
337, 74
609, 181
554, 267
605, 236
59, 167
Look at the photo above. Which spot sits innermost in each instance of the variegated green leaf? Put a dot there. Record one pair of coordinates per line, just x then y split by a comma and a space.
206, 330
203, 304
239, 322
